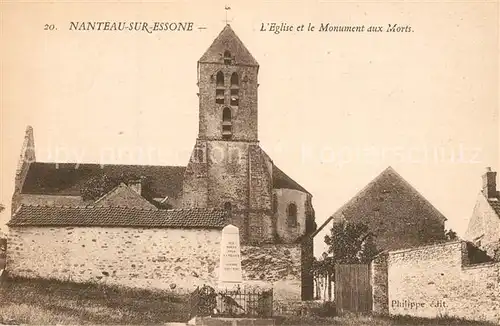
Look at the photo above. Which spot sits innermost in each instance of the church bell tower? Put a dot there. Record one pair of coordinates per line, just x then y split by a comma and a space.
227, 81
228, 169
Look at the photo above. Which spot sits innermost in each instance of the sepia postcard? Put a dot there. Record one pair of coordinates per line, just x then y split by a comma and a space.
249, 162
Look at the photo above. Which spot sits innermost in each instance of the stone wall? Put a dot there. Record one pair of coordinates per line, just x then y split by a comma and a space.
284, 198
395, 212
124, 196
236, 173
175, 259
379, 284
146, 258
260, 223
276, 265
437, 281
307, 258
484, 227
243, 116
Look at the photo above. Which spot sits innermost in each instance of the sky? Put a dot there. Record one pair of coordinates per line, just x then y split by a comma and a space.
335, 109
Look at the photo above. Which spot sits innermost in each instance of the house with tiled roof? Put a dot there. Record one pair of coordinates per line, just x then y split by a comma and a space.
160, 226
484, 225
395, 212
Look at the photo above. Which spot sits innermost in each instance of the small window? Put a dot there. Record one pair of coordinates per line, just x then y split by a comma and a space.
292, 215
227, 57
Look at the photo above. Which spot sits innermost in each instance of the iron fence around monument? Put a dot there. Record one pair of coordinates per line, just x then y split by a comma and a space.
206, 301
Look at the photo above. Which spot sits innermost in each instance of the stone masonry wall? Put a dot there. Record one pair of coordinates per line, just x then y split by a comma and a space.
484, 227
285, 197
228, 180
277, 265
236, 173
243, 116
379, 284
435, 280
124, 196
146, 258
396, 214
260, 224
175, 259
195, 182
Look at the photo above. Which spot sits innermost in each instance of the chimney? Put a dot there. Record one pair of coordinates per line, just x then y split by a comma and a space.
136, 185
490, 184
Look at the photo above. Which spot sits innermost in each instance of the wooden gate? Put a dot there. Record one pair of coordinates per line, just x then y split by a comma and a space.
353, 291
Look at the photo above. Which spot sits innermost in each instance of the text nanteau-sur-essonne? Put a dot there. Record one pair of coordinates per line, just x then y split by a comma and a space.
139, 26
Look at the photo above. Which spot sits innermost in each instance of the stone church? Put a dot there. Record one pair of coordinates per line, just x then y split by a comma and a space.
160, 226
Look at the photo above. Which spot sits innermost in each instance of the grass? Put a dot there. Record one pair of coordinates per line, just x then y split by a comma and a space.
49, 302
44, 302
355, 320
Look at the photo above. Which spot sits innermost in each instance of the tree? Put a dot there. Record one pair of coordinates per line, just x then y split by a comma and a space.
368, 249
347, 240
450, 235
348, 243
2, 207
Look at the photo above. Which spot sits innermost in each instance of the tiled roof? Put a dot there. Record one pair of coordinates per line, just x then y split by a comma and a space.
33, 215
67, 178
281, 180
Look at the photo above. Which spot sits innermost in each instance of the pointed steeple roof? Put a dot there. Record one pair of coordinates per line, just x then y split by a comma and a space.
228, 41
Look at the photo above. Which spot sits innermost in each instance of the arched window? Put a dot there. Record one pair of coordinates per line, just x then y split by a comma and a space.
275, 204
219, 90
227, 57
292, 215
226, 123
234, 79
220, 79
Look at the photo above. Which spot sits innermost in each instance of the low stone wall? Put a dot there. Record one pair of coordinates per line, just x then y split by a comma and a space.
172, 259
437, 281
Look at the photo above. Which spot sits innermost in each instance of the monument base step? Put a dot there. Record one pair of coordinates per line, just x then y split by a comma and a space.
220, 321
